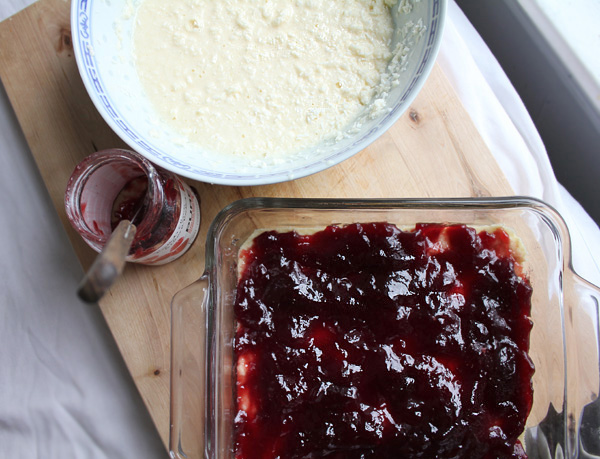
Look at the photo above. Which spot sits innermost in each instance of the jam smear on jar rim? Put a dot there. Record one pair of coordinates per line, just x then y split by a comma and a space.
366, 341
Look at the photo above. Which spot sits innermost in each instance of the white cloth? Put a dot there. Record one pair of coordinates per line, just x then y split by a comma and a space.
64, 390
506, 127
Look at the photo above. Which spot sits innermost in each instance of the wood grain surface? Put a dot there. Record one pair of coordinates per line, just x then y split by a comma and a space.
432, 151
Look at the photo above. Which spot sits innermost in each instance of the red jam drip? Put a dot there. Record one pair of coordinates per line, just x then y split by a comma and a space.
130, 202
369, 342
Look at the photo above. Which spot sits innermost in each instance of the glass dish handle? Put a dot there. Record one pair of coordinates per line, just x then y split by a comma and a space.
582, 322
188, 370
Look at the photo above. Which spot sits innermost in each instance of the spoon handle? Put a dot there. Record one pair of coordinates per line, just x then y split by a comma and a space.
109, 263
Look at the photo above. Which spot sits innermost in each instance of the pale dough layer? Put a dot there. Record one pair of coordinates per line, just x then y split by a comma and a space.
261, 78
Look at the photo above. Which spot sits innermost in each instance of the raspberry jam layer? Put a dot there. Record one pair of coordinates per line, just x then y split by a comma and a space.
130, 202
366, 341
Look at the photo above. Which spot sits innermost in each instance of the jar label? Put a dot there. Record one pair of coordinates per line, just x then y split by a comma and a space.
184, 233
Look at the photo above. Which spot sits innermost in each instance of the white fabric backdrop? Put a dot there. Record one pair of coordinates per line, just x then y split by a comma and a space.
64, 389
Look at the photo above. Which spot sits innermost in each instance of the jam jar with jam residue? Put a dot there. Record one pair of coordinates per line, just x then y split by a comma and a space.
111, 185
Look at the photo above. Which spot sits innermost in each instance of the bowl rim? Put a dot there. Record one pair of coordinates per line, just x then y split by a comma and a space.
81, 29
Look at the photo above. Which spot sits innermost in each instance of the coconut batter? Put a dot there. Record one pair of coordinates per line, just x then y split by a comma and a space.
261, 78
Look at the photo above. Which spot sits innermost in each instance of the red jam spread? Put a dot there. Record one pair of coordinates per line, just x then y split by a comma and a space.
365, 341
130, 202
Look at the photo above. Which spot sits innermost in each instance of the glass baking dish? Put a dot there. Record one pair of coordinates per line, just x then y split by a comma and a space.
565, 417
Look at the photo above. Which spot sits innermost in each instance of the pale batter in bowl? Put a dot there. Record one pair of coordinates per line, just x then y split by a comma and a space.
261, 81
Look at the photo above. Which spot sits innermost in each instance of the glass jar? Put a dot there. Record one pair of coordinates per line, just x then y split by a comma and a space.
116, 184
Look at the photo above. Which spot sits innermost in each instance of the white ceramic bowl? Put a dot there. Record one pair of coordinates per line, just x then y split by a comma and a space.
102, 40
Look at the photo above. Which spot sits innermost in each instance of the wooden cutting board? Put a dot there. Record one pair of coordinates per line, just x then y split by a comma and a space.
434, 150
